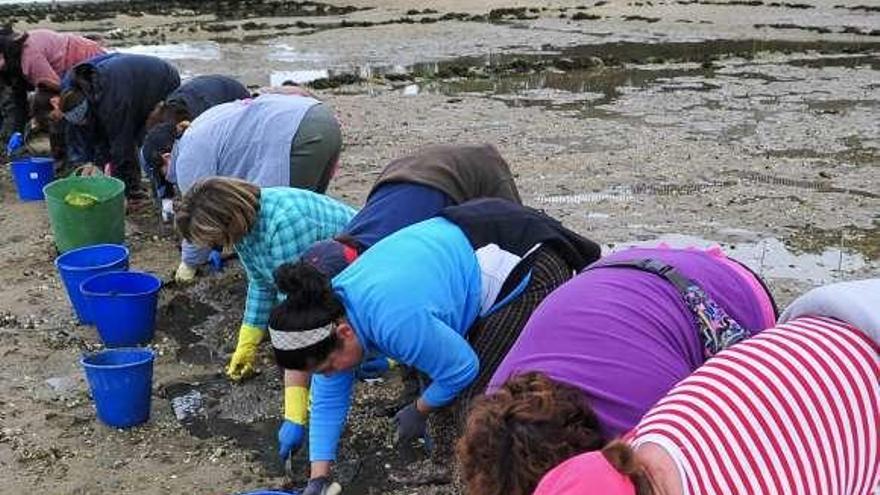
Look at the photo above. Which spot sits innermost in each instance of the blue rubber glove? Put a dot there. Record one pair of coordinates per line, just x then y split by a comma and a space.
216, 261
290, 438
16, 141
372, 368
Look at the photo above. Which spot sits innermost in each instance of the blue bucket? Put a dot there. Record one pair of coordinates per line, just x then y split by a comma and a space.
77, 265
30, 175
123, 305
121, 381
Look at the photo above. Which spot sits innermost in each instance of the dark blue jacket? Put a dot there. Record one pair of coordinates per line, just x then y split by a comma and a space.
203, 92
122, 90
196, 95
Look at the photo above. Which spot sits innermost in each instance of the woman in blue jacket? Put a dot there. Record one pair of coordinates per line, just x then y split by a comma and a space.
106, 101
446, 296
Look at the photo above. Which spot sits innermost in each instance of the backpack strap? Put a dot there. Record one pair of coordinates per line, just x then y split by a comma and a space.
717, 329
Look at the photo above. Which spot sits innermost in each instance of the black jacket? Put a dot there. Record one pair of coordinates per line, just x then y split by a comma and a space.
122, 90
518, 231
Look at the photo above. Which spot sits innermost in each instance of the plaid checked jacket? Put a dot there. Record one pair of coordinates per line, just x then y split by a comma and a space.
289, 221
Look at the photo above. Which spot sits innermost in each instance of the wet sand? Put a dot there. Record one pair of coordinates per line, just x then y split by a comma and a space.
752, 125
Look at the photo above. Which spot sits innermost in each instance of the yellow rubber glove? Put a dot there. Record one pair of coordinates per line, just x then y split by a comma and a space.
243, 359
185, 273
296, 404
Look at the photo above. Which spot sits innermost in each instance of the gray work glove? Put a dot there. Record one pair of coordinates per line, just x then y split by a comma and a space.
322, 486
411, 424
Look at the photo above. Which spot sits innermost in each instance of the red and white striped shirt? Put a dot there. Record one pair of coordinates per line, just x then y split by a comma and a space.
794, 410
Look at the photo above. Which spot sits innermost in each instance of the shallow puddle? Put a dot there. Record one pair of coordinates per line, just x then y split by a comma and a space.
278, 78
775, 258
200, 50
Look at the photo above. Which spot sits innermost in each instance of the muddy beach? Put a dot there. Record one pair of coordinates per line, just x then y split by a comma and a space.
749, 124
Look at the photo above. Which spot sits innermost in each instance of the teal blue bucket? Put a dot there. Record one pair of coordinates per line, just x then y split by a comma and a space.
121, 382
123, 306
78, 265
31, 175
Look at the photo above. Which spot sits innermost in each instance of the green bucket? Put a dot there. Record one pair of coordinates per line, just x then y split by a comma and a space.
86, 210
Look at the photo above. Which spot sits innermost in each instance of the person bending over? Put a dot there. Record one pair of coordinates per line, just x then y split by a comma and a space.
599, 352
447, 296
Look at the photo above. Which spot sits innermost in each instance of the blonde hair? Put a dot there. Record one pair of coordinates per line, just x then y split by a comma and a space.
218, 211
181, 127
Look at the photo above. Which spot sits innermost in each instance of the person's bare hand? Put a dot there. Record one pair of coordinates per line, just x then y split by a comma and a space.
89, 170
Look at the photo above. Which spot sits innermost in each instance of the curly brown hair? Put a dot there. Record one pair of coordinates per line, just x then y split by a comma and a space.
515, 435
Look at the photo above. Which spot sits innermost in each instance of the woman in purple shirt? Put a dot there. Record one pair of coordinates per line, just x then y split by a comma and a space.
600, 351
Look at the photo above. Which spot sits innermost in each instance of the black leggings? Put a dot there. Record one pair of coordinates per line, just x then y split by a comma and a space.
491, 338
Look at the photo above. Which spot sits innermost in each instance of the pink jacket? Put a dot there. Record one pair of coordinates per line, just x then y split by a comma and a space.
47, 55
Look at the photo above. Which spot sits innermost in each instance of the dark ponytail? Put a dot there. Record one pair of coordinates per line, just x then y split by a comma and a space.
310, 304
309, 292
623, 458
11, 45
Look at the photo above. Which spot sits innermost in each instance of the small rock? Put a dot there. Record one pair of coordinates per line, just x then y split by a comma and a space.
64, 385
187, 406
595, 62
